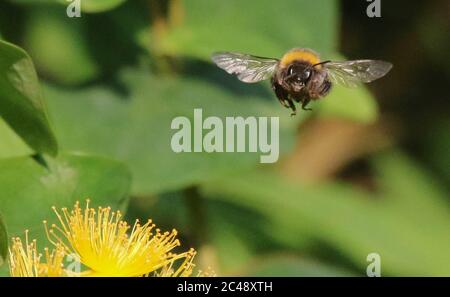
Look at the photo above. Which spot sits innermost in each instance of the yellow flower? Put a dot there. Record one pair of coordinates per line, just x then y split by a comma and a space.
103, 243
25, 261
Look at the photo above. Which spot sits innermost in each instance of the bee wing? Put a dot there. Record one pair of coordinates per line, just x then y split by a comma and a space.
352, 73
248, 68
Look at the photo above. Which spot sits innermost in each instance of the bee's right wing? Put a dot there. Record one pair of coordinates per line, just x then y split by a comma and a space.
248, 68
352, 73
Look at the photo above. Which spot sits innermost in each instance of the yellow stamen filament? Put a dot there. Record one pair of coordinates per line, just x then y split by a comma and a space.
184, 269
25, 261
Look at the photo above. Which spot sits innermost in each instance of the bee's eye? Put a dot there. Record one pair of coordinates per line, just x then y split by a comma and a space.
291, 70
307, 73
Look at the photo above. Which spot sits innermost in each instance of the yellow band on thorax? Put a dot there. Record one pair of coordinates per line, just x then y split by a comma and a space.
299, 55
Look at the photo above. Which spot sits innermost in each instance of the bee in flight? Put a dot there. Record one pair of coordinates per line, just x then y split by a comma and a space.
300, 76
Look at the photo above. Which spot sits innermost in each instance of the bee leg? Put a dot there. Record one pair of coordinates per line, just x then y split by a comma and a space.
292, 106
282, 96
284, 102
305, 103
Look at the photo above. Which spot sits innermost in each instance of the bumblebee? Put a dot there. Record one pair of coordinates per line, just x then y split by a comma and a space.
300, 76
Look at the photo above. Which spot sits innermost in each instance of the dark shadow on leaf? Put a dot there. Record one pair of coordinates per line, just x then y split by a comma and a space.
248, 225
328, 253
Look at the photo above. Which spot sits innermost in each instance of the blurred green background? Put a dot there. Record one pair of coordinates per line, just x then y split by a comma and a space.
366, 171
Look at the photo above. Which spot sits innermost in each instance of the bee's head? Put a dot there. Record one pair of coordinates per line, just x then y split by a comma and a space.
298, 74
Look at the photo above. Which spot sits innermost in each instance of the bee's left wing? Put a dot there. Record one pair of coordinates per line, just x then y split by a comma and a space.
352, 73
248, 68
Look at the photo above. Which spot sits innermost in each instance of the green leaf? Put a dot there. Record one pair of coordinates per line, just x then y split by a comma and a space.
408, 239
3, 241
21, 102
29, 189
137, 129
11, 145
227, 23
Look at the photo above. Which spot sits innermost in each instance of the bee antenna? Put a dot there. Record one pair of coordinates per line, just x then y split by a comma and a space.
321, 63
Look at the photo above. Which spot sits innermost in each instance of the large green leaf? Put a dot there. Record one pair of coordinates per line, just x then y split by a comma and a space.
3, 241
21, 102
410, 239
137, 129
29, 189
